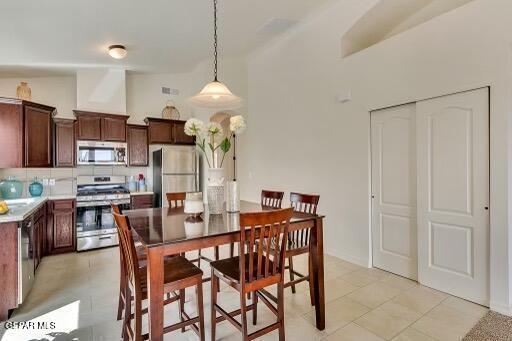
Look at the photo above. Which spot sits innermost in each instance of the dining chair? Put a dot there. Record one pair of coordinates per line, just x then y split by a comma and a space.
179, 274
272, 199
299, 240
176, 200
257, 267
141, 256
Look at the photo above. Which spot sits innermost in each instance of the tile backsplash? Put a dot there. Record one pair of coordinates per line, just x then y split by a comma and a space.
65, 178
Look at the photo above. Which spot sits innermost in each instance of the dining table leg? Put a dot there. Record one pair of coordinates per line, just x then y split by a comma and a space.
155, 274
317, 260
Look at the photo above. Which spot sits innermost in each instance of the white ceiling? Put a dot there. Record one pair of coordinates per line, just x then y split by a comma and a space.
390, 17
59, 36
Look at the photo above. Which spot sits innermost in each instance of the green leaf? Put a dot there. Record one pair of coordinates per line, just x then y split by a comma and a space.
211, 147
225, 145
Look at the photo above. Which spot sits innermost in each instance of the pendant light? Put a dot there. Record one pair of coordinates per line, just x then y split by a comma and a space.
215, 95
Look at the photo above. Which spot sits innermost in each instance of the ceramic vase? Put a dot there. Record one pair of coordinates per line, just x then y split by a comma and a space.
35, 188
23, 91
11, 188
215, 190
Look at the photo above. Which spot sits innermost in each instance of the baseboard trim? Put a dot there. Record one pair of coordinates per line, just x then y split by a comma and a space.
501, 308
350, 258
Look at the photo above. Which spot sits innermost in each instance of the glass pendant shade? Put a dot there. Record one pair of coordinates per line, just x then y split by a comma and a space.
216, 95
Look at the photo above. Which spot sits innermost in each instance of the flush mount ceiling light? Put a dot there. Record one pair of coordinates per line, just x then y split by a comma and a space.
117, 51
215, 95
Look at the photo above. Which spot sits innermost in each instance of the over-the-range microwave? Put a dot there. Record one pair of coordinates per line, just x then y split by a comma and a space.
101, 153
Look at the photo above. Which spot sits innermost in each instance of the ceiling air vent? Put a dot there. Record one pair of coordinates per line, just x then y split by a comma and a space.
169, 91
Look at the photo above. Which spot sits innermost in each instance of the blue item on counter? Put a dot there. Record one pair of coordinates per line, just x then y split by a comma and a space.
11, 188
35, 188
142, 185
132, 185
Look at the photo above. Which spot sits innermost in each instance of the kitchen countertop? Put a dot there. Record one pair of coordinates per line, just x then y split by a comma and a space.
142, 193
62, 197
19, 209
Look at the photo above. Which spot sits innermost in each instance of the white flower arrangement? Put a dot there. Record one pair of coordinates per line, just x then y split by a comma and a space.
194, 127
237, 124
215, 134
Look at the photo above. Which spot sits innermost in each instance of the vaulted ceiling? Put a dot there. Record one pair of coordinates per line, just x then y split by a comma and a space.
160, 35
61, 36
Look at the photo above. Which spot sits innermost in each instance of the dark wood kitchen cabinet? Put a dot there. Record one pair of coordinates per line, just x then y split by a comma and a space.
25, 134
163, 131
138, 148
178, 134
142, 201
61, 231
9, 269
96, 126
88, 126
38, 135
39, 235
11, 133
9, 260
113, 128
64, 142
159, 130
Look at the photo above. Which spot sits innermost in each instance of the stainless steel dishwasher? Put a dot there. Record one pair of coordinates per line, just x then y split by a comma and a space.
25, 258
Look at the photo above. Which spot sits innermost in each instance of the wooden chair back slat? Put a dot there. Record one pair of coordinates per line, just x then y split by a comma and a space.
269, 232
271, 198
304, 203
127, 248
176, 199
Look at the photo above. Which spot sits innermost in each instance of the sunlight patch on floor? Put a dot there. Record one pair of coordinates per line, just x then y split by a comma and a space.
50, 326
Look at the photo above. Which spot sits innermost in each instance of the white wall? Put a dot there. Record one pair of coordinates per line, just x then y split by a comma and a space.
144, 96
311, 143
59, 92
101, 90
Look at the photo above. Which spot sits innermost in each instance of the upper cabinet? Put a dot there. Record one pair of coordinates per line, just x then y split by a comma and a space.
88, 126
38, 135
113, 128
100, 127
163, 131
178, 134
64, 143
138, 148
160, 130
25, 134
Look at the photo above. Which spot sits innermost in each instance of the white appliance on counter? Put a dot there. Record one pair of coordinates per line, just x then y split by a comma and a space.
175, 169
101, 153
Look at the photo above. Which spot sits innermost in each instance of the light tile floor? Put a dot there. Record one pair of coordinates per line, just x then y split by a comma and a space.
79, 293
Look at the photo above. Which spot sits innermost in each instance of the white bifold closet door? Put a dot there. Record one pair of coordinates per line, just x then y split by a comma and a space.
452, 136
394, 190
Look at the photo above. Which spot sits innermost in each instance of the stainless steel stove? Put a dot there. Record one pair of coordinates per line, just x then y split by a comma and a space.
95, 226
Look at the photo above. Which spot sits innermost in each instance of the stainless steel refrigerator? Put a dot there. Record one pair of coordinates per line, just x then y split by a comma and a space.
175, 169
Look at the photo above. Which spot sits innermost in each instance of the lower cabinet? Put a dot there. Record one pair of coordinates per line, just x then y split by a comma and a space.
61, 231
142, 201
39, 238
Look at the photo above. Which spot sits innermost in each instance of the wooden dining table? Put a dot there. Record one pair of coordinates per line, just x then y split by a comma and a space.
165, 232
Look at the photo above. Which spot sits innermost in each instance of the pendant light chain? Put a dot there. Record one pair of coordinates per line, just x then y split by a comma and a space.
215, 38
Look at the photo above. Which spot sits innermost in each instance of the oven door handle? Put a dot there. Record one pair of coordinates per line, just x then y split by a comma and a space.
105, 237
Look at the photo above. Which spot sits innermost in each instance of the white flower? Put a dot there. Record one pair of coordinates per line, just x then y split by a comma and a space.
237, 124
194, 127
214, 129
